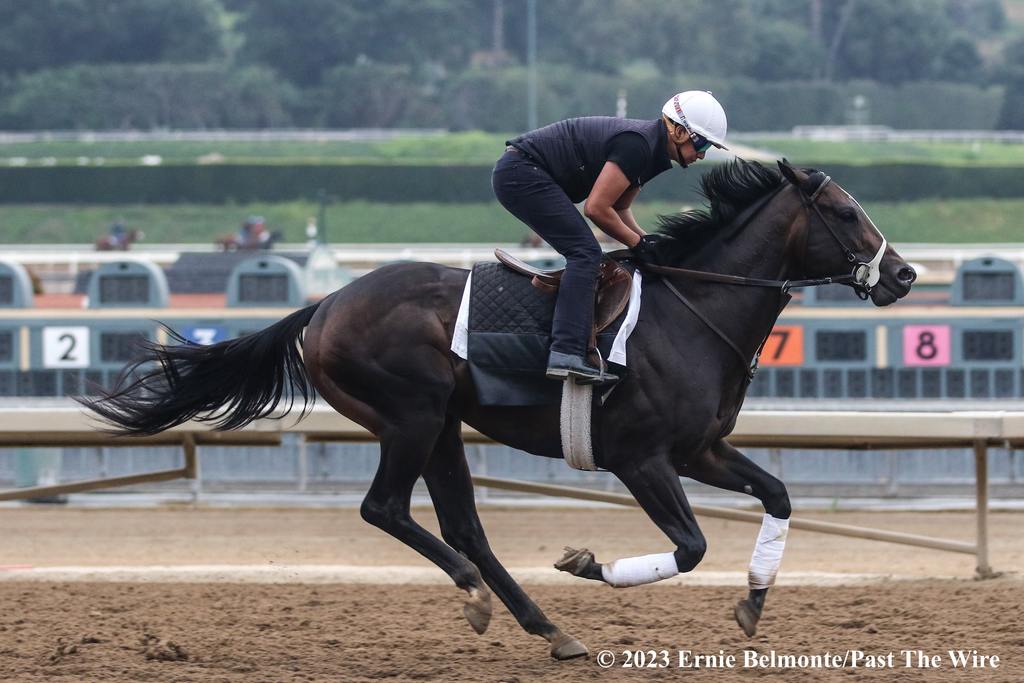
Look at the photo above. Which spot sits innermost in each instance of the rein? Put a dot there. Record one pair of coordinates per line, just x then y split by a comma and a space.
784, 285
863, 277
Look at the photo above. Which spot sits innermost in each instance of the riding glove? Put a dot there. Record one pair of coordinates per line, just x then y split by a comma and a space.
645, 250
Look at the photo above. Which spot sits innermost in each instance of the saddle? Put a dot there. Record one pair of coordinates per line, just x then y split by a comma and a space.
614, 284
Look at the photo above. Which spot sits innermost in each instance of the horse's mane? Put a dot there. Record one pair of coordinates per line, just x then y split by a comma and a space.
729, 188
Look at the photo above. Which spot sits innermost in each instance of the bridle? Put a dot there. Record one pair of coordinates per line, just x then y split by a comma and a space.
863, 276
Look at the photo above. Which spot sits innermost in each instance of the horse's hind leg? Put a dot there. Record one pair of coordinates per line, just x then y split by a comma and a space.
726, 468
378, 352
404, 452
451, 488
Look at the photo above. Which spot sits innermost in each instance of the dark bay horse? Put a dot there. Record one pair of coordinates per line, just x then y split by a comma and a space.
378, 351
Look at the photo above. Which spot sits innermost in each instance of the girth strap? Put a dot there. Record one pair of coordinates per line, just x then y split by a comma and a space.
575, 425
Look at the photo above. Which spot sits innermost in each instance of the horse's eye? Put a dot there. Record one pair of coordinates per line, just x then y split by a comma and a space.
848, 215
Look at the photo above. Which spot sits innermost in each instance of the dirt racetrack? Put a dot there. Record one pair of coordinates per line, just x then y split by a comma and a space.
205, 625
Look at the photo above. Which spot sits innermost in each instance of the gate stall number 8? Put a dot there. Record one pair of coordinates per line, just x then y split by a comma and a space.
926, 345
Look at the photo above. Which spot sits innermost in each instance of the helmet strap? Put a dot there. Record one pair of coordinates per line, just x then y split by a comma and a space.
674, 130
678, 136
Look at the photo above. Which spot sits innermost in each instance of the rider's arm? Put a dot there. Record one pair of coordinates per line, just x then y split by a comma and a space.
609, 189
622, 207
617, 186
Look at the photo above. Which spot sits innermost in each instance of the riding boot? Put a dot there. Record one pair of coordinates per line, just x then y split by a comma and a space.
563, 365
572, 328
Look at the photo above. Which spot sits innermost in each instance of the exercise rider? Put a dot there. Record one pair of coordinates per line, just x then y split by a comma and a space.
605, 161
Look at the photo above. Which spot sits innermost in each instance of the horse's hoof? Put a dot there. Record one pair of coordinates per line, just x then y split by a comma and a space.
747, 617
566, 647
477, 609
575, 561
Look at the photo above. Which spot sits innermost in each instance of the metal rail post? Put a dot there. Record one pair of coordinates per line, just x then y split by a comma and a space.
188, 444
303, 464
984, 569
191, 468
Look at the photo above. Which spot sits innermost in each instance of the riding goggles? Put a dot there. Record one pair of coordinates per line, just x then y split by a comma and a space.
700, 143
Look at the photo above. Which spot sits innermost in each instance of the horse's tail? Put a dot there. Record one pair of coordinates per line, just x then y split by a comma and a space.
228, 384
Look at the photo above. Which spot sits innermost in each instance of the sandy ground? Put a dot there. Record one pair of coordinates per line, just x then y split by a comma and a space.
355, 631
520, 537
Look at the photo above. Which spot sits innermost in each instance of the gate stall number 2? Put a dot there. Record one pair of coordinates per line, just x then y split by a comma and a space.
66, 347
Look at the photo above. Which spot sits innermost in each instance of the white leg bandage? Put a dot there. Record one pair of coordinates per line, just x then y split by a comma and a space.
635, 571
764, 563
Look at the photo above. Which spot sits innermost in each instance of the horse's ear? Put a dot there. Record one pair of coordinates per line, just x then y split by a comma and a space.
793, 175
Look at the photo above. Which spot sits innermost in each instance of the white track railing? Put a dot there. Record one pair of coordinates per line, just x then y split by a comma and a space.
939, 259
61, 424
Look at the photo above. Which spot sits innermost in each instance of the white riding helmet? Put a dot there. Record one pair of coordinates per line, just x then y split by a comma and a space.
700, 112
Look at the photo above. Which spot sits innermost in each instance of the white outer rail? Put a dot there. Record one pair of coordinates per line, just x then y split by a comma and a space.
62, 424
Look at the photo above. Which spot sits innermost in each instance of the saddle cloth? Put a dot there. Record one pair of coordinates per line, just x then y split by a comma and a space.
503, 331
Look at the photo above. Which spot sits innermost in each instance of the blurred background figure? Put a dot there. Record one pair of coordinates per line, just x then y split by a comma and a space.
119, 238
252, 235
311, 232
532, 239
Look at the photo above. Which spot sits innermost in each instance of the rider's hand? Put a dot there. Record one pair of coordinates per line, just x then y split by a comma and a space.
645, 251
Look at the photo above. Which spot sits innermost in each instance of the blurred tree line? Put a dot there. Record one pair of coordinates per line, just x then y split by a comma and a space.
460, 63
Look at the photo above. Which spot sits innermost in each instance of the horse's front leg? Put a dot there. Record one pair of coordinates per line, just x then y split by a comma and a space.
655, 485
726, 468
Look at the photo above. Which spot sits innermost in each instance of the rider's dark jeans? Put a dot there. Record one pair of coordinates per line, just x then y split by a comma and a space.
532, 196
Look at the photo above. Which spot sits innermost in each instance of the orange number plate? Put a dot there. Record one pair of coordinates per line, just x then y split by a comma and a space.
785, 346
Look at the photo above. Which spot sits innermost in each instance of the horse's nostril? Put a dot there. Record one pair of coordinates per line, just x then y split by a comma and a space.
907, 275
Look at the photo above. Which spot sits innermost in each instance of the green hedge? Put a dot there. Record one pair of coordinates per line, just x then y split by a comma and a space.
217, 184
240, 183
217, 95
899, 181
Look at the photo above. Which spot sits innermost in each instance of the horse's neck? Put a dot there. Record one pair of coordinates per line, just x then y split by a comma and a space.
761, 250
